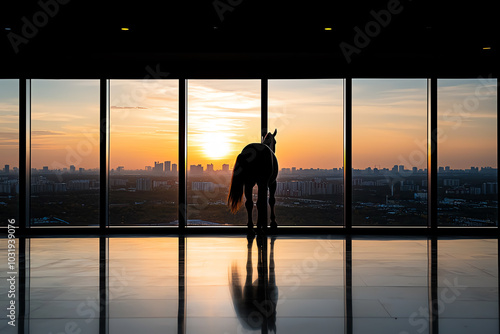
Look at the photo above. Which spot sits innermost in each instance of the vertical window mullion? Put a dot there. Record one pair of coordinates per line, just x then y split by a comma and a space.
347, 153
432, 163
264, 106
24, 153
104, 155
183, 91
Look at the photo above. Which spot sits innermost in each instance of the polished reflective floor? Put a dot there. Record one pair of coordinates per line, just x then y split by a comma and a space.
250, 285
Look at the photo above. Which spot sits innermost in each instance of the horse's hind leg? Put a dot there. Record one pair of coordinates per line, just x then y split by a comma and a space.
249, 203
272, 201
262, 206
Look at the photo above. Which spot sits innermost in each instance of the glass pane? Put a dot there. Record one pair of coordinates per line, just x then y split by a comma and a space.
143, 182
467, 152
308, 115
468, 286
389, 152
63, 285
390, 286
9, 151
65, 129
223, 117
143, 285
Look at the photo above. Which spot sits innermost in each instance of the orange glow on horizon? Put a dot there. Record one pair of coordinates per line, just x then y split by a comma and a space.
389, 123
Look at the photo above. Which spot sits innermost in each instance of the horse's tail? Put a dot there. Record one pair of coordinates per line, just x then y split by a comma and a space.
235, 196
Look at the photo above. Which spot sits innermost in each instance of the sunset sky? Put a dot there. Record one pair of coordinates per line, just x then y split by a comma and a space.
9, 123
389, 122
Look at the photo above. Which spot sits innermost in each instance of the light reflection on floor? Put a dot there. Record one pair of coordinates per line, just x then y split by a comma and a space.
239, 285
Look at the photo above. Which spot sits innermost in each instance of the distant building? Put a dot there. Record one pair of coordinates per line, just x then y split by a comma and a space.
45, 169
6, 170
196, 170
120, 169
210, 168
225, 168
167, 166
203, 186
160, 184
174, 168
79, 185
421, 196
158, 169
451, 182
490, 188
72, 169
143, 184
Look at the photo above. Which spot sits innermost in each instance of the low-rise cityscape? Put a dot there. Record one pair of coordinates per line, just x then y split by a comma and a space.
381, 196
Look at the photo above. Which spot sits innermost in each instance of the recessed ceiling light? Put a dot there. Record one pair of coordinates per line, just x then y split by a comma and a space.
8, 29
125, 29
328, 29
487, 48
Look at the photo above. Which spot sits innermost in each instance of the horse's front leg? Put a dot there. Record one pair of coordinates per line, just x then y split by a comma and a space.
249, 203
272, 201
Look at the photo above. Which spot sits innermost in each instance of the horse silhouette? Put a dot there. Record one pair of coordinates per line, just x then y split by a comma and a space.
255, 165
255, 301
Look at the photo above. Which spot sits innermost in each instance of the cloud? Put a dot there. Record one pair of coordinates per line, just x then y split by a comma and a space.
46, 133
118, 107
55, 117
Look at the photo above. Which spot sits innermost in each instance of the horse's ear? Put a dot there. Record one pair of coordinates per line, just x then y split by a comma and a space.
275, 132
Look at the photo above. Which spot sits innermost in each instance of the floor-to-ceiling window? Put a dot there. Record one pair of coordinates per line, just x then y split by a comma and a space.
467, 152
389, 156
389, 151
143, 176
65, 152
223, 117
309, 148
9, 150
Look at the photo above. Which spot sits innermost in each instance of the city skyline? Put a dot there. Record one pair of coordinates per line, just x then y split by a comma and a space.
159, 167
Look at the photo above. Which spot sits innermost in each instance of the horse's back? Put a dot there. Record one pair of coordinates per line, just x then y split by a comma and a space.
259, 160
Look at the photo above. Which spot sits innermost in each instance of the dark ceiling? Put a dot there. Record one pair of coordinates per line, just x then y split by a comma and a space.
248, 38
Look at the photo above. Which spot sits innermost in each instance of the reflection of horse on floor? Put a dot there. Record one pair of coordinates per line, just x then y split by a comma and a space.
255, 302
256, 164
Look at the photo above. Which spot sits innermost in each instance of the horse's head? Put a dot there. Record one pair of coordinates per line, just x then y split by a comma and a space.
270, 140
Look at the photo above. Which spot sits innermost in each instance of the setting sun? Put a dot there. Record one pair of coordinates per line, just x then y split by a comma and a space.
216, 145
